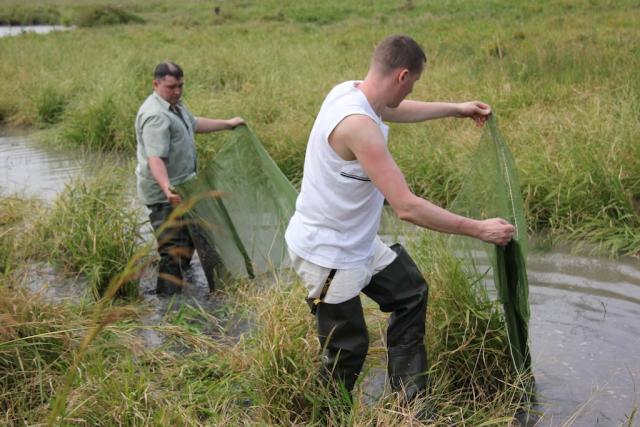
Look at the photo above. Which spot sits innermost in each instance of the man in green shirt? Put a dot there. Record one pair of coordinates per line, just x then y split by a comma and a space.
167, 157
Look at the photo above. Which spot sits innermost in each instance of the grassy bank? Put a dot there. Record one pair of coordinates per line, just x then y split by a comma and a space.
562, 76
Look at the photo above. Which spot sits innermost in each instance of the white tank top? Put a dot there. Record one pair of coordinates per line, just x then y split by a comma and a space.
338, 209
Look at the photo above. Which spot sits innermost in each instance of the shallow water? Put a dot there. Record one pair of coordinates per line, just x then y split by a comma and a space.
584, 330
6, 30
28, 169
585, 337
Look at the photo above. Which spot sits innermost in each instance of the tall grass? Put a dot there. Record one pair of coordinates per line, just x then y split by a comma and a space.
16, 215
86, 364
106, 15
66, 13
561, 75
91, 229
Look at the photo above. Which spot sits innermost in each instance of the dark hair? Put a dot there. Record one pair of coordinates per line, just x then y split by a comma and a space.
167, 68
400, 51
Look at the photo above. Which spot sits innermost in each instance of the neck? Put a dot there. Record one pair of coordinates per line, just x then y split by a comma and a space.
374, 88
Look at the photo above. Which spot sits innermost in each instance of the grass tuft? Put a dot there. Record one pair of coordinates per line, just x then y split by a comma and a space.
91, 230
106, 15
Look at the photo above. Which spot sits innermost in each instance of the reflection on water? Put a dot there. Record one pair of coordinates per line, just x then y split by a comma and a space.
30, 170
585, 337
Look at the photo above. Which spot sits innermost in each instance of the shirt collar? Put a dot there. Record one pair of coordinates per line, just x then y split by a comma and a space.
164, 103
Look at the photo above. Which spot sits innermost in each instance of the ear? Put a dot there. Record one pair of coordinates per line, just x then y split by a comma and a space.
155, 83
403, 74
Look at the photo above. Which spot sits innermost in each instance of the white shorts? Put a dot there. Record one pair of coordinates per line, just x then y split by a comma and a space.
346, 283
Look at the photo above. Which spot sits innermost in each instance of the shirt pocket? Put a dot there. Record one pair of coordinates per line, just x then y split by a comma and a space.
355, 172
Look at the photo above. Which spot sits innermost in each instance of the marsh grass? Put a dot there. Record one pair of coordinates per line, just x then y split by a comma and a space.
80, 13
50, 104
16, 214
106, 15
35, 15
87, 365
91, 230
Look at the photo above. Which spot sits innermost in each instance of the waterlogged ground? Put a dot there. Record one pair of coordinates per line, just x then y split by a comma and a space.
585, 333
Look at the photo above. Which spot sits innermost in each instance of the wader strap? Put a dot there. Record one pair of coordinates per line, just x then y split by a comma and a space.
313, 302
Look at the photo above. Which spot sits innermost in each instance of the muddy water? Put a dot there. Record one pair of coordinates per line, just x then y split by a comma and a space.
585, 337
585, 333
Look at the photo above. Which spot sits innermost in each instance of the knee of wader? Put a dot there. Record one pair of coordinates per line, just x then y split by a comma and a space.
404, 267
345, 344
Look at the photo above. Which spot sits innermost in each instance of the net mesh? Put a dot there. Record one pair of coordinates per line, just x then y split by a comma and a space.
243, 203
491, 189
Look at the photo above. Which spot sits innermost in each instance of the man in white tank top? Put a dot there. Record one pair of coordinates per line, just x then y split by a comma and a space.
332, 236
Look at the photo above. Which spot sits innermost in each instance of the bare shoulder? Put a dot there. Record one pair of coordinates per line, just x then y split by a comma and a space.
354, 134
356, 128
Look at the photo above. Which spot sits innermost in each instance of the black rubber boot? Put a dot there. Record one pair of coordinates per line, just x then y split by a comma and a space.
407, 371
401, 290
209, 257
175, 248
343, 337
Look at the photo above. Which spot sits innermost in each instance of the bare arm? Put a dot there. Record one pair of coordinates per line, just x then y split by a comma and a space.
159, 171
204, 125
417, 111
363, 138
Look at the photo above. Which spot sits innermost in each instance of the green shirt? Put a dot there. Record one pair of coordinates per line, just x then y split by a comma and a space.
167, 134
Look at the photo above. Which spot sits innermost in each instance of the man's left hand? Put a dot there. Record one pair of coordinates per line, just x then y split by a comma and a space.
476, 110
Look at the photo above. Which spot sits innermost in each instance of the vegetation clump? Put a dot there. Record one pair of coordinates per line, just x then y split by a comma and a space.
15, 216
106, 15
20, 15
91, 230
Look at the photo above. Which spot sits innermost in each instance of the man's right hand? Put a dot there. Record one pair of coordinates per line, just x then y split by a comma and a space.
173, 197
496, 231
235, 122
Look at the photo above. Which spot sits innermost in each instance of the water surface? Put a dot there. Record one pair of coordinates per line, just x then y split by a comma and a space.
31, 170
7, 30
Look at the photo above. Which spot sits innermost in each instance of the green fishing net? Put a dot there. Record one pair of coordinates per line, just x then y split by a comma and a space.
491, 190
242, 202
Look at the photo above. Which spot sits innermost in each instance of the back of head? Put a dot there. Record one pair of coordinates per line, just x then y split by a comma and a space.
398, 51
167, 68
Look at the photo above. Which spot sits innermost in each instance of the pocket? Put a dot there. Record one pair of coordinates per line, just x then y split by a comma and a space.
354, 172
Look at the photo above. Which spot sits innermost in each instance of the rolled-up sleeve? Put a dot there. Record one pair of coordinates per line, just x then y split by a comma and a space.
156, 136
193, 120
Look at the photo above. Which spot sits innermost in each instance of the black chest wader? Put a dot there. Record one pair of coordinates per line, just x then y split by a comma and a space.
398, 289
177, 239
